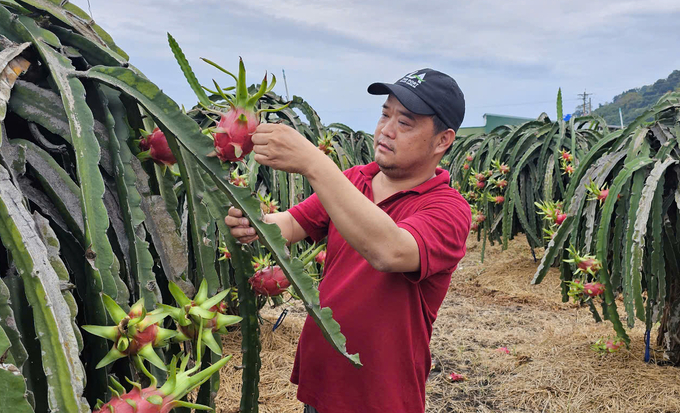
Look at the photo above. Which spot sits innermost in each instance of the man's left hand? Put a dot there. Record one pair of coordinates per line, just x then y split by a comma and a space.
282, 147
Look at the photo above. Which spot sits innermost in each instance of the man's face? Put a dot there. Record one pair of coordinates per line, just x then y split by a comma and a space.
404, 142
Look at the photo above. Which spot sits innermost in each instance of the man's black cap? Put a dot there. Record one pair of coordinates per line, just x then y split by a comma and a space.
427, 92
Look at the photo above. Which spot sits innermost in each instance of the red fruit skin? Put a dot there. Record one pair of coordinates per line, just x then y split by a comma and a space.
159, 150
593, 289
499, 199
480, 184
589, 264
480, 177
320, 258
504, 169
560, 218
603, 195
502, 183
613, 345
466, 166
139, 397
269, 281
235, 133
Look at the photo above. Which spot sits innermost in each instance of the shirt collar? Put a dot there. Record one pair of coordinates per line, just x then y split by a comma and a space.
442, 177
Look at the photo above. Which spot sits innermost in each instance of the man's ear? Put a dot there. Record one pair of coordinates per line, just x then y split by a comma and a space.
445, 140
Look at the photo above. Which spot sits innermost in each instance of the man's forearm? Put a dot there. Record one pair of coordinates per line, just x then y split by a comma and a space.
366, 227
290, 230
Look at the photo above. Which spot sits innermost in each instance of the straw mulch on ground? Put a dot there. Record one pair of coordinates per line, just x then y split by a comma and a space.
550, 368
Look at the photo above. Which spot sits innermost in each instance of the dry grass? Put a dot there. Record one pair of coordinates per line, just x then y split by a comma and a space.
551, 367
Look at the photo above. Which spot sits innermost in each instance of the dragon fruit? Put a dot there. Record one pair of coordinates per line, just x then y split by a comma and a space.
497, 199
466, 166
480, 177
268, 279
560, 217
238, 180
585, 264
568, 169
597, 194
501, 167
160, 400
502, 183
267, 204
233, 134
201, 311
136, 333
566, 156
480, 184
468, 158
320, 257
154, 146
593, 289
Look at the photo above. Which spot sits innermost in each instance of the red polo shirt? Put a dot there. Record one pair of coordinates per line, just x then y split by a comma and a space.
386, 317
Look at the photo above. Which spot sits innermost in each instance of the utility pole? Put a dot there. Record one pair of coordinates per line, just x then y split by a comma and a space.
285, 83
584, 96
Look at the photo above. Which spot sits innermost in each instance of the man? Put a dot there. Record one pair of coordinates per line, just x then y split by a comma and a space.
396, 231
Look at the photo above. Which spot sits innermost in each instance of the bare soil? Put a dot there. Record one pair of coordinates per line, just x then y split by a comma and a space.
551, 366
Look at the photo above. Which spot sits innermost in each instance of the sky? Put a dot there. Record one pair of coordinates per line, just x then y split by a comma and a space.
508, 57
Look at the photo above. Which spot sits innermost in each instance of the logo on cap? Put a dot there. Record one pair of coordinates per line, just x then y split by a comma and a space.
413, 79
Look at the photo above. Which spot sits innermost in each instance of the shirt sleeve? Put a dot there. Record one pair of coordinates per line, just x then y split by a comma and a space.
312, 217
441, 230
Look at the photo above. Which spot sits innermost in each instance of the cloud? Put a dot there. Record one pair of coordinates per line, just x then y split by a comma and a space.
508, 57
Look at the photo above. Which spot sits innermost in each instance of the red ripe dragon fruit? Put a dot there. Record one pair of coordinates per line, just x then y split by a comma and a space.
501, 183
466, 166
154, 400
597, 194
154, 146
593, 289
566, 156
480, 177
136, 333
480, 184
469, 158
233, 133
559, 218
269, 279
320, 257
569, 170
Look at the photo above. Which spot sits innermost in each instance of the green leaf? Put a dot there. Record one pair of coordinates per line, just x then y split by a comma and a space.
13, 390
52, 316
188, 73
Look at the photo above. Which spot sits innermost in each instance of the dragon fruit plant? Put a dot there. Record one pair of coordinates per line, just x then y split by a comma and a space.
233, 134
135, 334
160, 400
201, 311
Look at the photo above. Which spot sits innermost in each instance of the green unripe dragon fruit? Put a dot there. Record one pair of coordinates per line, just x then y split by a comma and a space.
201, 311
135, 334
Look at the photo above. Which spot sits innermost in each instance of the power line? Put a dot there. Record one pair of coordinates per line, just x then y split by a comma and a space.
586, 107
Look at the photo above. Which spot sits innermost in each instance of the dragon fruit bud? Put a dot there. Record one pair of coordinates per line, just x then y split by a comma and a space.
498, 199
504, 169
468, 158
155, 146
569, 169
154, 400
136, 333
559, 218
566, 156
480, 184
593, 289
466, 166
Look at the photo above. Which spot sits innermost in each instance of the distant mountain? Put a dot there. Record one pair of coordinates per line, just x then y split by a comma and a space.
635, 101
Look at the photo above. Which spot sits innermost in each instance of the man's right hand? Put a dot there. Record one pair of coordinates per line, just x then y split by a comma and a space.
240, 226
